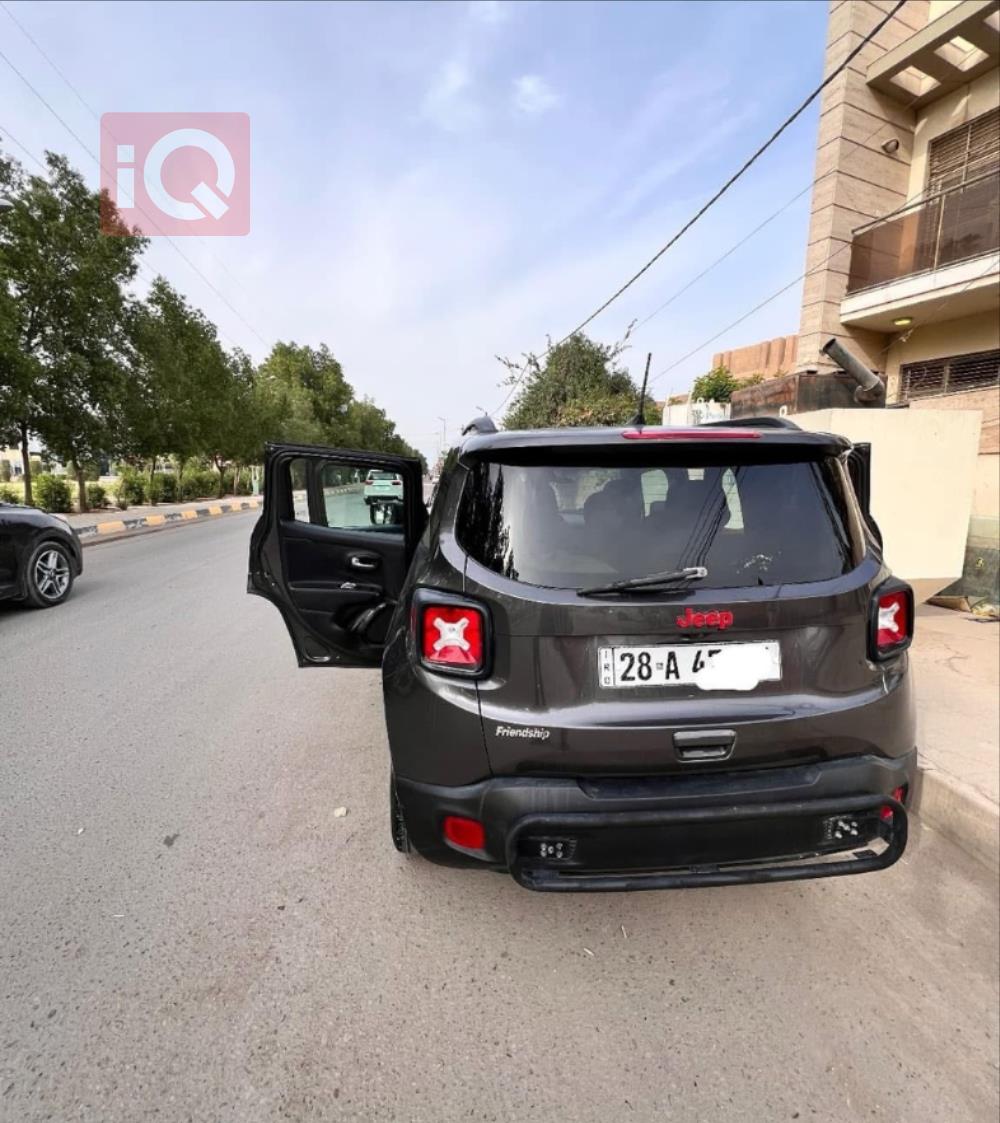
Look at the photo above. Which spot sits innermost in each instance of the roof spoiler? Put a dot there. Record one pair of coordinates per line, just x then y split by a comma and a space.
752, 423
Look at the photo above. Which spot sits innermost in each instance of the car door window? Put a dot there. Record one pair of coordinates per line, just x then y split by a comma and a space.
347, 496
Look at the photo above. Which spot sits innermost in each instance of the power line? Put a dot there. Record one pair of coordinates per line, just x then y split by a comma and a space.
168, 239
770, 218
785, 288
93, 112
851, 55
714, 199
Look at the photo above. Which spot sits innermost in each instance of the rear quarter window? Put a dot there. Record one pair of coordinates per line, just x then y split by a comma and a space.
749, 524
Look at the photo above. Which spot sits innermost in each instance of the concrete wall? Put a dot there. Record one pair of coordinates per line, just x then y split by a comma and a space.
986, 493
951, 337
924, 472
769, 358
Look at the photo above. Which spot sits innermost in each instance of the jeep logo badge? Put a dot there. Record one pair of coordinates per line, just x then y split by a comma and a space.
691, 619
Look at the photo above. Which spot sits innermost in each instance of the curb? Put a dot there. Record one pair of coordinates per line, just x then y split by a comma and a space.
960, 813
116, 528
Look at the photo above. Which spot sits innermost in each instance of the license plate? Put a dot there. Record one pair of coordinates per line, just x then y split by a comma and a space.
708, 666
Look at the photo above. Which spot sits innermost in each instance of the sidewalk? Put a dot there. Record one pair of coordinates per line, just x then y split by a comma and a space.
95, 526
956, 664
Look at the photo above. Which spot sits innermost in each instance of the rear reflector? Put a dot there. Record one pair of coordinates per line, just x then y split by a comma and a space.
452, 637
655, 434
467, 833
886, 813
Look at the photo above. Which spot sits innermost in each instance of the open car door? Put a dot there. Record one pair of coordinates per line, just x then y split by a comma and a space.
333, 546
859, 468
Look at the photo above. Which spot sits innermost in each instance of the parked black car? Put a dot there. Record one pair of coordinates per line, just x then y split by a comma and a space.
40, 556
617, 658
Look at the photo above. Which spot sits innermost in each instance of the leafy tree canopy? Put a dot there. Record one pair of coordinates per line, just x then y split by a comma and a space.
578, 382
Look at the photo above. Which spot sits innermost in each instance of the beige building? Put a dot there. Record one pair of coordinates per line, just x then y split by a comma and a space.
903, 257
903, 260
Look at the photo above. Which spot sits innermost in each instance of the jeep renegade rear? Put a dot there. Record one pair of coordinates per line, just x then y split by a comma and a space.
616, 659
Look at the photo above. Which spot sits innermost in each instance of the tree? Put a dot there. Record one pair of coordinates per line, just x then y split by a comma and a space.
718, 385
369, 428
180, 371
579, 382
306, 394
64, 279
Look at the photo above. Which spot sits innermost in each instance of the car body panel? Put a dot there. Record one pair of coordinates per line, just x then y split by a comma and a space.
21, 530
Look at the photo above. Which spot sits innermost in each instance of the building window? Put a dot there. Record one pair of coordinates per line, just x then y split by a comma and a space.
969, 152
949, 375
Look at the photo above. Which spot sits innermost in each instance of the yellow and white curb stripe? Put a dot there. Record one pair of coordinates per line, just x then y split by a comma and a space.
96, 531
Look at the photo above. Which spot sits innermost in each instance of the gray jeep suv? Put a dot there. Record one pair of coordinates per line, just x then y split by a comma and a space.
615, 658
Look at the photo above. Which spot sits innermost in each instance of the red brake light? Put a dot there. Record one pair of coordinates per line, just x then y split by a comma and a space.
894, 624
467, 833
652, 433
452, 637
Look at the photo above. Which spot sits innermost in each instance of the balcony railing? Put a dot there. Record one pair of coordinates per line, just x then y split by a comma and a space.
955, 225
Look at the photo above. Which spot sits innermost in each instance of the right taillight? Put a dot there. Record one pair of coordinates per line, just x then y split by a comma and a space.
890, 626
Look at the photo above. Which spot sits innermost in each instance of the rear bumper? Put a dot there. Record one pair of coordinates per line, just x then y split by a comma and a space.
783, 824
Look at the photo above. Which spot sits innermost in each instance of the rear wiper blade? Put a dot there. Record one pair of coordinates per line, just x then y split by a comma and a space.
654, 580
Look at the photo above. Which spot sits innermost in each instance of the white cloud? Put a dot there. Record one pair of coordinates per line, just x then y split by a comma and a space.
533, 95
449, 102
488, 11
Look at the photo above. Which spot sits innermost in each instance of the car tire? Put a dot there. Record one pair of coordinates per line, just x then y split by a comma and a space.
397, 821
49, 576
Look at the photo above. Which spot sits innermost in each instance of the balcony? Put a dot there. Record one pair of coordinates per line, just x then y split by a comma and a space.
953, 50
938, 257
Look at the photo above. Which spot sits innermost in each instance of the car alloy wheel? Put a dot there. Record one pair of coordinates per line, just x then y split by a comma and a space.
51, 574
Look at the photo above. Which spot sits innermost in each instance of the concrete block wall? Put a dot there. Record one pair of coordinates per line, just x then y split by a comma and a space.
769, 358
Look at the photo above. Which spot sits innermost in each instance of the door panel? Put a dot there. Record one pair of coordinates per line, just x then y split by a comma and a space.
331, 551
859, 468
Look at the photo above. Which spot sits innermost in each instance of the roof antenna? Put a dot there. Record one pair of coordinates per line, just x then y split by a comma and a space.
640, 413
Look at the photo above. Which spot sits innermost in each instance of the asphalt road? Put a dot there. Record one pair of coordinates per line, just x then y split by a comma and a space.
188, 933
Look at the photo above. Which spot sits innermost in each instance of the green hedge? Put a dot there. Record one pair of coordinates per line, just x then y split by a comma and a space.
97, 496
9, 494
52, 493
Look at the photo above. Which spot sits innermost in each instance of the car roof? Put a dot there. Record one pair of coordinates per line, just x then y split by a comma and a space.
770, 433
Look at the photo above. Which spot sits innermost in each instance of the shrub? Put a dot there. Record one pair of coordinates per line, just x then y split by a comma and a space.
716, 386
121, 501
131, 489
9, 495
168, 487
199, 484
97, 496
52, 493
154, 488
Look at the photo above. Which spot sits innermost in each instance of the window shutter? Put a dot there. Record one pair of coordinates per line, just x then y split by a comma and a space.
950, 375
968, 152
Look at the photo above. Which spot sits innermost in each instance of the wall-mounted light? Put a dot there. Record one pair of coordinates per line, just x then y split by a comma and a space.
891, 146
902, 322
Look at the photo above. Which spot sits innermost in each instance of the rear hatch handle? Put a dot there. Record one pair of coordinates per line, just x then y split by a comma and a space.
700, 745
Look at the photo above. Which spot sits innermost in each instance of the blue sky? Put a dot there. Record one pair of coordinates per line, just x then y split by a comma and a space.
438, 183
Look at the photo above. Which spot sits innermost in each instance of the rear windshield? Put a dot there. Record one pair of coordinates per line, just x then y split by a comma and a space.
750, 524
